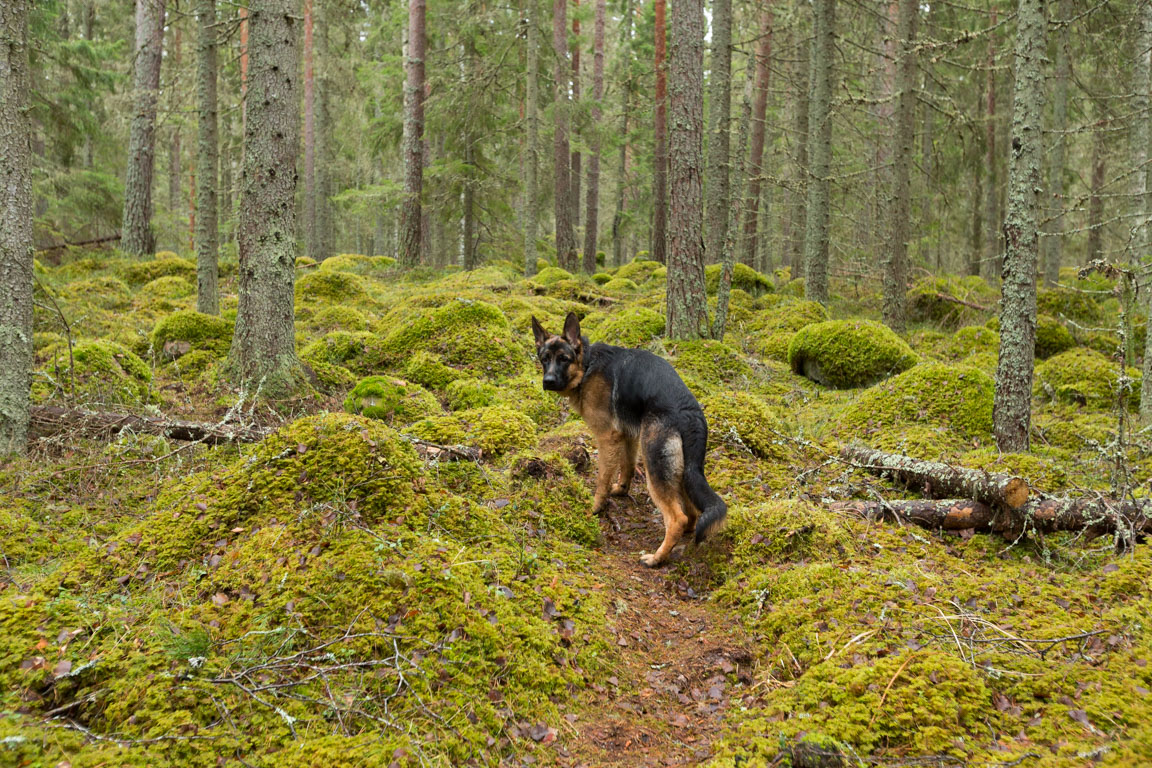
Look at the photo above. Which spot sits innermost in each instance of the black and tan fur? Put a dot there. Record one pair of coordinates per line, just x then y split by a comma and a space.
635, 402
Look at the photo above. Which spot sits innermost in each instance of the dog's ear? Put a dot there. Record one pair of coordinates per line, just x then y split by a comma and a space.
572, 330
539, 332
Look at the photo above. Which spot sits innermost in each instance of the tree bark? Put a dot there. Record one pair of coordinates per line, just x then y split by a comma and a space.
687, 303
797, 194
992, 257
565, 236
719, 180
1054, 242
820, 153
16, 257
755, 161
411, 220
625, 105
207, 163
1013, 412
592, 206
137, 237
175, 202
263, 350
895, 311
531, 161
735, 208
1141, 202
939, 480
1096, 199
574, 169
310, 240
660, 138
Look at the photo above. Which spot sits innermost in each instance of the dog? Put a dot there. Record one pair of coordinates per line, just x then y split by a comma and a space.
633, 400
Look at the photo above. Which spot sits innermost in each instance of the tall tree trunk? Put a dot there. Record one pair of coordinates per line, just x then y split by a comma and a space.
136, 230
719, 180
660, 138
411, 221
243, 14
15, 227
175, 201
575, 169
735, 207
263, 353
820, 154
1013, 409
896, 261
756, 160
1096, 199
625, 105
324, 158
592, 208
531, 141
565, 236
1054, 242
976, 233
207, 163
310, 240
799, 191
687, 303
992, 256
1138, 136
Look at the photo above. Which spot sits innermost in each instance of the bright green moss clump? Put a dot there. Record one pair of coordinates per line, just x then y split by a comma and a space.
494, 430
630, 327
550, 495
202, 332
771, 330
639, 270
744, 419
848, 353
331, 286
391, 400
104, 372
743, 277
1083, 377
359, 351
339, 317
140, 272
464, 334
1052, 337
470, 393
168, 287
105, 292
710, 363
620, 285
972, 339
950, 302
551, 275
427, 370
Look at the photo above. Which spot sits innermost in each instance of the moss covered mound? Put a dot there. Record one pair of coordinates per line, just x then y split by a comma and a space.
630, 327
1084, 377
1052, 337
199, 331
952, 398
103, 372
105, 292
463, 394
168, 287
848, 353
141, 272
950, 302
494, 430
551, 275
709, 364
1064, 302
391, 400
331, 286
551, 496
620, 285
971, 340
426, 370
771, 330
743, 277
359, 351
638, 270
338, 318
463, 334
745, 420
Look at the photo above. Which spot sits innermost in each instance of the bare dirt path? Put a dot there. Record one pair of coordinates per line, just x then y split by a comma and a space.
685, 660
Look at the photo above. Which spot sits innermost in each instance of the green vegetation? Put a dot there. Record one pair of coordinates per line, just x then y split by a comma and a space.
845, 353
391, 400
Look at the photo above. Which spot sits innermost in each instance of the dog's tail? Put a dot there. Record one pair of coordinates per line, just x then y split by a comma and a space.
712, 508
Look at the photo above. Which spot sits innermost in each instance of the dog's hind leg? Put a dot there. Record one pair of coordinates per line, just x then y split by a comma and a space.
664, 460
627, 466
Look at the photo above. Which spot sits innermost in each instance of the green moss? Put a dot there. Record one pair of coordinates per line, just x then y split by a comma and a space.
426, 369
848, 353
633, 326
1064, 302
339, 317
526, 394
933, 300
203, 332
743, 277
494, 430
359, 351
551, 275
620, 285
549, 494
391, 400
105, 292
140, 272
463, 394
745, 420
600, 278
638, 270
1083, 377
1052, 337
1074, 430
771, 330
952, 398
346, 262
41, 340
659, 274
104, 372
463, 333
331, 286
1042, 474
710, 363
972, 339
331, 378
168, 287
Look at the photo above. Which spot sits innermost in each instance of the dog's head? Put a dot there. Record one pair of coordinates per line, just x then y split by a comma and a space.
561, 357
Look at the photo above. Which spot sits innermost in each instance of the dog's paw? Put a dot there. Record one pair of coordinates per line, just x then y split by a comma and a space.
619, 489
599, 508
650, 561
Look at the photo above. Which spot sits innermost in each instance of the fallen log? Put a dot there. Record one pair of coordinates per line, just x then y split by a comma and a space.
79, 243
50, 420
941, 481
1050, 514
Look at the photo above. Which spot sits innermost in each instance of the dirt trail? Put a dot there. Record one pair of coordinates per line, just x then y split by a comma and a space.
685, 660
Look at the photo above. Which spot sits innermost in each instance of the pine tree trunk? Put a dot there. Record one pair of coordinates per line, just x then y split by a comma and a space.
136, 230
1053, 243
1096, 199
575, 169
531, 141
976, 232
411, 219
992, 258
687, 303
263, 353
16, 262
756, 160
719, 180
1138, 136
900, 210
592, 207
820, 154
625, 105
1012, 413
175, 201
565, 236
207, 163
660, 138
324, 159
735, 209
310, 239
798, 194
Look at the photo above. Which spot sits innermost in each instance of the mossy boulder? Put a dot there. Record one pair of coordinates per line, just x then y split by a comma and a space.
620, 285
549, 495
772, 329
1052, 337
1042, 473
426, 370
844, 354
494, 430
551, 275
469, 334
632, 326
600, 278
743, 277
346, 262
106, 292
196, 330
359, 351
953, 401
745, 420
391, 400
638, 270
331, 286
103, 372
1084, 377
710, 363
463, 394
339, 317
1065, 302
168, 287
950, 302
141, 272
971, 340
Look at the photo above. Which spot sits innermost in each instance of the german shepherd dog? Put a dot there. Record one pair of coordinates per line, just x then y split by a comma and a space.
630, 399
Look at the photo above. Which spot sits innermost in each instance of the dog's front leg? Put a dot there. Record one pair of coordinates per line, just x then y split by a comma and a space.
607, 467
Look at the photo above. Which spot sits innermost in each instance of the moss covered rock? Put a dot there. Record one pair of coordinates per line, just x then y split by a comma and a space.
744, 419
771, 330
462, 333
710, 363
463, 394
168, 287
104, 372
340, 318
331, 286
620, 285
550, 275
426, 370
141, 272
198, 331
1084, 377
950, 302
630, 327
743, 277
106, 292
849, 353
638, 270
358, 351
1052, 337
970, 340
391, 400
494, 430
1065, 302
